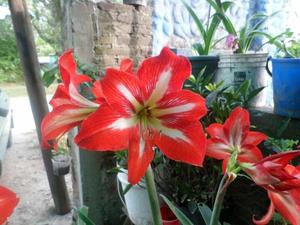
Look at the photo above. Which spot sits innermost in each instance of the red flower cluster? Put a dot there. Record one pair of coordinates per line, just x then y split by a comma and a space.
280, 179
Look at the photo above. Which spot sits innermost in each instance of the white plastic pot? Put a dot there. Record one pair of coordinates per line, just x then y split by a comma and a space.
136, 201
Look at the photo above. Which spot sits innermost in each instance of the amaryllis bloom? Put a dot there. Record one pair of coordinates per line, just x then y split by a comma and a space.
69, 106
234, 136
282, 181
8, 202
148, 109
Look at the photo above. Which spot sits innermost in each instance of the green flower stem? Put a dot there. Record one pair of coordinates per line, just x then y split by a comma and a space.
153, 198
214, 220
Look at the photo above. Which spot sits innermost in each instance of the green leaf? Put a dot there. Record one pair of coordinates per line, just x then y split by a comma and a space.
283, 127
83, 218
196, 19
221, 13
253, 93
50, 75
213, 27
126, 189
199, 48
178, 213
205, 212
243, 89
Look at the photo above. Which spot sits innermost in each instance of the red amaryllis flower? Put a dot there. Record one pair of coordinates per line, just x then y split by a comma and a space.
8, 201
234, 136
282, 181
69, 106
148, 109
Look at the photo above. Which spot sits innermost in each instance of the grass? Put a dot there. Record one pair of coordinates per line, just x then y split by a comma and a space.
19, 89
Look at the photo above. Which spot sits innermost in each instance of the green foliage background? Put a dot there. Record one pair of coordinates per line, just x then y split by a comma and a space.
46, 21
10, 67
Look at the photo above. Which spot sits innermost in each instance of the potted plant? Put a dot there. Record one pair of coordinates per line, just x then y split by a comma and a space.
203, 47
286, 78
243, 65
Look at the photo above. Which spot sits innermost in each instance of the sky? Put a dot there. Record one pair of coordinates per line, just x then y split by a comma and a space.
4, 11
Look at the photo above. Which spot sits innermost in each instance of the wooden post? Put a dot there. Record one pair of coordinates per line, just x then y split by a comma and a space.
37, 96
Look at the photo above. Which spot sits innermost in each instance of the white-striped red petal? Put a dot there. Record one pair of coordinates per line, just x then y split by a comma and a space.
62, 119
163, 74
122, 91
140, 154
181, 140
182, 104
105, 130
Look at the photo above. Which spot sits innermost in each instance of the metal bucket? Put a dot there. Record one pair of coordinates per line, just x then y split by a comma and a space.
234, 69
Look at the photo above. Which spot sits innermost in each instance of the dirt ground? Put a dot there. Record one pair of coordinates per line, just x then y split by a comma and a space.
23, 172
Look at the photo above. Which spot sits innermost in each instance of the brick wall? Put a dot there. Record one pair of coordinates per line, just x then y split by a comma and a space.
104, 33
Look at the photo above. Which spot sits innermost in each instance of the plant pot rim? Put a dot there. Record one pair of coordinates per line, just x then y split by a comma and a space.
286, 60
252, 54
204, 57
121, 176
61, 158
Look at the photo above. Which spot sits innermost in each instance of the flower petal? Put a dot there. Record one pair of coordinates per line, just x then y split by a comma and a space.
105, 130
67, 66
60, 97
287, 203
183, 104
254, 138
72, 79
237, 124
78, 99
281, 158
8, 201
163, 74
216, 131
97, 91
251, 154
267, 217
62, 119
140, 155
181, 140
217, 150
68, 70
122, 91
126, 65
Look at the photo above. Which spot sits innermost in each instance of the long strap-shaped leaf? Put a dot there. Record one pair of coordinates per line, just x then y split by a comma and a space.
198, 22
179, 215
225, 19
214, 26
83, 217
